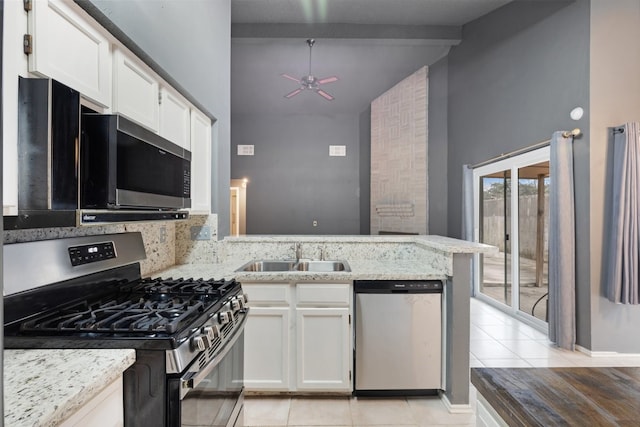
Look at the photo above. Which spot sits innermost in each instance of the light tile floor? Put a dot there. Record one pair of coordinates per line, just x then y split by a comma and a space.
497, 340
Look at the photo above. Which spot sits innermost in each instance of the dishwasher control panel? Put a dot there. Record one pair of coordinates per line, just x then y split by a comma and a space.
398, 286
435, 285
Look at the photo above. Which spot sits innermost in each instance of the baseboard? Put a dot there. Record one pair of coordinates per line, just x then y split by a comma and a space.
455, 409
604, 353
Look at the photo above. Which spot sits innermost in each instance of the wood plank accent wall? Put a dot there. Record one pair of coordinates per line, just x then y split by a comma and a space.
399, 157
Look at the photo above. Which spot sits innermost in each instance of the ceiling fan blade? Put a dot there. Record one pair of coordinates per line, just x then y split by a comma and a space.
287, 76
293, 93
324, 94
328, 80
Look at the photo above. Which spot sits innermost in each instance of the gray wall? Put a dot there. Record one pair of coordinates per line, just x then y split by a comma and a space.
292, 179
513, 81
437, 155
615, 84
365, 171
191, 41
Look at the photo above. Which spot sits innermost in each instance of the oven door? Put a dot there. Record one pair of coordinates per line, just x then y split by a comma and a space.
213, 394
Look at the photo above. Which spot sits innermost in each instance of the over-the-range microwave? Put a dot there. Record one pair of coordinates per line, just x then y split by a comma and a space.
125, 166
77, 167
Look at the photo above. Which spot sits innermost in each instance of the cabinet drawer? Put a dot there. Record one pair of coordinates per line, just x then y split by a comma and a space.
323, 294
260, 294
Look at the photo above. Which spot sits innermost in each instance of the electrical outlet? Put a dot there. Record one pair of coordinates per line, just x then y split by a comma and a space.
201, 233
315, 222
163, 234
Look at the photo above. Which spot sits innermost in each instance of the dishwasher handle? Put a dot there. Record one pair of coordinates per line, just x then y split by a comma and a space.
398, 286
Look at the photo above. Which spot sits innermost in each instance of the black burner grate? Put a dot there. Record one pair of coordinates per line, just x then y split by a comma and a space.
149, 307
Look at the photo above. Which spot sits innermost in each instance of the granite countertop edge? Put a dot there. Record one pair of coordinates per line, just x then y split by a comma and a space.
360, 270
440, 243
45, 387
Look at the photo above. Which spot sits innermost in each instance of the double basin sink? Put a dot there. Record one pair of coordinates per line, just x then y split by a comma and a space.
295, 265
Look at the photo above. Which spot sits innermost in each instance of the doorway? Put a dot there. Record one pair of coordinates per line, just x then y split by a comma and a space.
238, 207
511, 212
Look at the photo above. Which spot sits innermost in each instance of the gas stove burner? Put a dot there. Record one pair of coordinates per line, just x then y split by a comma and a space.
191, 286
171, 313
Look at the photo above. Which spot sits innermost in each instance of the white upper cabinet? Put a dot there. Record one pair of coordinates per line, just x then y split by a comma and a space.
69, 47
200, 163
175, 118
135, 90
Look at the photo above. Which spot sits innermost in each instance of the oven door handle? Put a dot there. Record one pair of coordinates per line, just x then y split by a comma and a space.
190, 382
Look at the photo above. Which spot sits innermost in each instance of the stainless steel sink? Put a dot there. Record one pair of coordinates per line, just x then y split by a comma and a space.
293, 265
269, 265
322, 266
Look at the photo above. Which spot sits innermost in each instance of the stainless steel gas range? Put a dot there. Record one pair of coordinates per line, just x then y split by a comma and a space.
87, 292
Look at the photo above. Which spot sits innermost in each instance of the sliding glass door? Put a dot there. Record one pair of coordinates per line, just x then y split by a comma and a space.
511, 213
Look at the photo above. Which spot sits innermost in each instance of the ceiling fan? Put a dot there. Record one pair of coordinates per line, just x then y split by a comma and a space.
310, 82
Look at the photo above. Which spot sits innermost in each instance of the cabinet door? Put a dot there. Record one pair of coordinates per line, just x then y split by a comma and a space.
175, 116
135, 91
70, 47
200, 163
323, 349
266, 349
104, 410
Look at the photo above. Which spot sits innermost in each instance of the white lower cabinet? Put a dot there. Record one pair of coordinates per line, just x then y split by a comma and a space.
298, 337
104, 410
323, 338
266, 349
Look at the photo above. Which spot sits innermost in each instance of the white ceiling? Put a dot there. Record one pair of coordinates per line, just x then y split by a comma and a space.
366, 67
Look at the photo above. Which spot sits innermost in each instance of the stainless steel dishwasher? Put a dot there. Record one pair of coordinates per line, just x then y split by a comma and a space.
398, 337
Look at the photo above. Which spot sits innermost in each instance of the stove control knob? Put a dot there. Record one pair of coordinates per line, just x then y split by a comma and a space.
243, 300
225, 317
200, 342
212, 332
236, 305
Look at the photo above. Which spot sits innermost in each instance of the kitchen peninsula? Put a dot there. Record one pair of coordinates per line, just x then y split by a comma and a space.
369, 258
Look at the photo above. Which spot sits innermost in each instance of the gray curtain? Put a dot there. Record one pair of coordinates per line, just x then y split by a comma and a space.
562, 317
624, 232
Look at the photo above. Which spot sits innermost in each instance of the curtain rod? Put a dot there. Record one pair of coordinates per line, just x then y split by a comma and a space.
565, 134
618, 130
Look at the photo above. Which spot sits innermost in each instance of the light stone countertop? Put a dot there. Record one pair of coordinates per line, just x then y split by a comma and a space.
441, 243
45, 387
360, 270
368, 257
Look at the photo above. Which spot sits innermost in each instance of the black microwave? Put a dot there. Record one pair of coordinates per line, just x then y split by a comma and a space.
125, 166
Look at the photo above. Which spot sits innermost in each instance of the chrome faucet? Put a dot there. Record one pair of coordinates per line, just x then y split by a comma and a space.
298, 249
